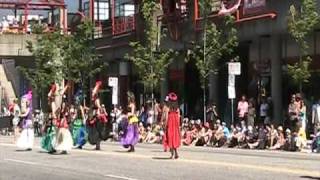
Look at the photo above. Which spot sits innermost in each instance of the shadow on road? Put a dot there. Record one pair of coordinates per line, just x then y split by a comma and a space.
310, 177
161, 158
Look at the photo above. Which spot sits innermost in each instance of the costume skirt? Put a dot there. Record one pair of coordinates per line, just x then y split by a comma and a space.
98, 131
26, 139
173, 130
131, 135
49, 140
79, 133
63, 140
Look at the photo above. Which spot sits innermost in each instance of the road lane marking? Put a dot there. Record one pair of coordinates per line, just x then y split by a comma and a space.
119, 177
289, 170
22, 162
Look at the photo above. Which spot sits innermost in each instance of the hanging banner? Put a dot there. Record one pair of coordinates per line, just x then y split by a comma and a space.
253, 6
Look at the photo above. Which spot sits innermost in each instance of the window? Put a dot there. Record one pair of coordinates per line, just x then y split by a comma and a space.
124, 8
103, 10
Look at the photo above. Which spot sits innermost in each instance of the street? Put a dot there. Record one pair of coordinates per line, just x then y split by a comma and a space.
150, 162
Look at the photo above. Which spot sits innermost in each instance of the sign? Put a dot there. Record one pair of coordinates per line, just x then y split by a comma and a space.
231, 92
253, 6
234, 68
115, 95
113, 81
231, 80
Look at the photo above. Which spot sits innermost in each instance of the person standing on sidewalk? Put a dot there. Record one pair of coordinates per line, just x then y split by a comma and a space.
242, 108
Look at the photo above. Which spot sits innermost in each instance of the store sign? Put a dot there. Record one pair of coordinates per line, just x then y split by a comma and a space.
234, 68
253, 6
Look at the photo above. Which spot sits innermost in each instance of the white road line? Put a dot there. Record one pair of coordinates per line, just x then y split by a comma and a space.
20, 161
119, 177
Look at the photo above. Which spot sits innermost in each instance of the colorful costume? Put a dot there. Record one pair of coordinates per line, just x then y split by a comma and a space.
173, 130
98, 127
63, 137
48, 141
79, 134
26, 138
131, 133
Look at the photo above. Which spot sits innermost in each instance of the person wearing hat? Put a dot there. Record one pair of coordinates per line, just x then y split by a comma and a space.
173, 126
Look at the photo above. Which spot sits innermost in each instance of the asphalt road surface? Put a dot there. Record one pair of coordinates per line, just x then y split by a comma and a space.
149, 162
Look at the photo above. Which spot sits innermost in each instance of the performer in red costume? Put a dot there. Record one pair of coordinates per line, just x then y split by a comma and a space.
97, 125
173, 126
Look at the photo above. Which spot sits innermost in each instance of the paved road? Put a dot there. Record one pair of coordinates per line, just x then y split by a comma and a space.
149, 162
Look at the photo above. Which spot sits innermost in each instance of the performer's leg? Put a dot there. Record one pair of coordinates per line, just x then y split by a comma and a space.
98, 145
172, 153
176, 156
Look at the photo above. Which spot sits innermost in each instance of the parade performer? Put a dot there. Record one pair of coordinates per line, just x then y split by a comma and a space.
97, 125
26, 138
79, 134
49, 139
131, 133
164, 116
173, 126
64, 141
16, 119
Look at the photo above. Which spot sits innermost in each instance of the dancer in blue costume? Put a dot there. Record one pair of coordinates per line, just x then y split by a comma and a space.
79, 133
131, 134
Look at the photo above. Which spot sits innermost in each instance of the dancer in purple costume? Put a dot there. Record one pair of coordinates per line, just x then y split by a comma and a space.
131, 134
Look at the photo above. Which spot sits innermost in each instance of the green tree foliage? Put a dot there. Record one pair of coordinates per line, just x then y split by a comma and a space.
218, 42
301, 23
150, 62
58, 56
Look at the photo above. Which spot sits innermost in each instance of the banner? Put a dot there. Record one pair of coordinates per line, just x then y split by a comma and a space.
253, 6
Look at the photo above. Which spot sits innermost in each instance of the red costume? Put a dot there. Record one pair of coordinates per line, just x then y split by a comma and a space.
173, 129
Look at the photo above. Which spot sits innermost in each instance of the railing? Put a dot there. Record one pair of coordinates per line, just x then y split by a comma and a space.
12, 74
123, 24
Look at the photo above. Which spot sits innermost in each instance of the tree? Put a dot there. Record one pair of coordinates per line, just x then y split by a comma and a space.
217, 42
300, 24
46, 52
150, 61
59, 57
81, 62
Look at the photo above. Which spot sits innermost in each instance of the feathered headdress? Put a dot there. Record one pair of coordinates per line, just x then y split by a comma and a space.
96, 90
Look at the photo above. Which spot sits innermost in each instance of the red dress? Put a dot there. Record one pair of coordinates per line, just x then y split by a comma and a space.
173, 130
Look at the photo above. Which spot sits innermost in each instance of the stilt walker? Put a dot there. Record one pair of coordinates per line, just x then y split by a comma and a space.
97, 125
173, 126
26, 139
131, 135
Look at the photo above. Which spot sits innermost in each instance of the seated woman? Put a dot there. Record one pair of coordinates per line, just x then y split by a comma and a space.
280, 139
